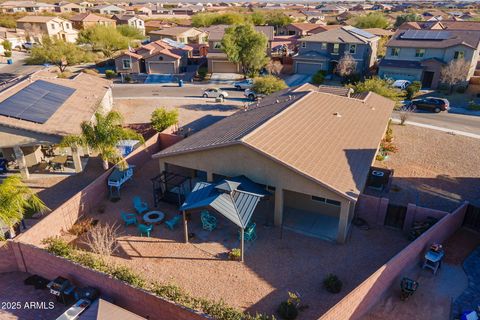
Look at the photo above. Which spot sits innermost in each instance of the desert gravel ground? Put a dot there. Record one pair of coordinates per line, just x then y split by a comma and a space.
433, 169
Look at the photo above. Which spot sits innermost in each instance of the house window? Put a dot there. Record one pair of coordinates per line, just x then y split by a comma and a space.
419, 53
160, 58
327, 201
324, 45
52, 25
127, 64
459, 55
304, 44
336, 47
217, 45
353, 48
394, 52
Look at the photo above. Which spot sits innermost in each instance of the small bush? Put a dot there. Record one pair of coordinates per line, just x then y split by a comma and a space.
235, 254
127, 78
202, 72
287, 311
379, 157
319, 77
268, 85
473, 106
110, 74
162, 119
126, 274
388, 147
58, 247
461, 89
7, 54
332, 284
412, 89
81, 226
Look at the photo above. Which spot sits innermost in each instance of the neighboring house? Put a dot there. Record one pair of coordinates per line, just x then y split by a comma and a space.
108, 9
154, 25
180, 34
382, 6
131, 20
312, 150
331, 9
87, 20
39, 111
158, 57
421, 54
143, 10
87, 4
38, 26
15, 36
313, 16
26, 6
323, 51
217, 60
71, 7
300, 29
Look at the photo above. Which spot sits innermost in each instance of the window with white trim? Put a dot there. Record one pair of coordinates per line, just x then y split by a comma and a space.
127, 64
326, 201
336, 47
324, 45
394, 52
419, 53
353, 49
459, 55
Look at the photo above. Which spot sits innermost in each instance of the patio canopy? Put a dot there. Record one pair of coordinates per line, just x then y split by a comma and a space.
234, 198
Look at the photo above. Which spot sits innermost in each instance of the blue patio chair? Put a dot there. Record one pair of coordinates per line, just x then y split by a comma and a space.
129, 218
139, 205
144, 229
172, 223
249, 234
209, 222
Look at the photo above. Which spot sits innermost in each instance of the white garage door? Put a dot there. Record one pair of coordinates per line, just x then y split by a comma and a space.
307, 67
162, 68
223, 67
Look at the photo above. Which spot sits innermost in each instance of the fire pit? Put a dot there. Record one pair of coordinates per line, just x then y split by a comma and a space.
154, 217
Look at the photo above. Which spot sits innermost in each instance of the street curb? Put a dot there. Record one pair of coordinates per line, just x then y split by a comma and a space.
451, 131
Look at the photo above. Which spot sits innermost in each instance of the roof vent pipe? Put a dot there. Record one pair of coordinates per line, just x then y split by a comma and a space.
337, 114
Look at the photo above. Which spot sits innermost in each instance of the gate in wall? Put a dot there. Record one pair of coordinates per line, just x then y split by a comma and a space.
395, 216
472, 218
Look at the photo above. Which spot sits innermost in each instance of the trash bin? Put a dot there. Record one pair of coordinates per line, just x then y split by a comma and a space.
9, 61
180, 83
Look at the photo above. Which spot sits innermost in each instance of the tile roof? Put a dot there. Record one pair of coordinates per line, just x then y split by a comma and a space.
305, 26
455, 37
216, 32
89, 17
329, 138
80, 106
38, 19
341, 35
173, 31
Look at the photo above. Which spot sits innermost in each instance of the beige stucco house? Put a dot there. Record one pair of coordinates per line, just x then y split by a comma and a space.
87, 20
37, 27
313, 150
185, 35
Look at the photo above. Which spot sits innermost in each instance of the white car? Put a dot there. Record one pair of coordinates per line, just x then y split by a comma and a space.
252, 95
244, 84
401, 84
215, 93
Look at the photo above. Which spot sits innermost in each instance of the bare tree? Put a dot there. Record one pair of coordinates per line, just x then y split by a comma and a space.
405, 114
102, 239
274, 67
346, 65
454, 73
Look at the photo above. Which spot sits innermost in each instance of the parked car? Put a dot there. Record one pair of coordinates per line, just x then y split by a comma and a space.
29, 45
431, 104
215, 93
401, 84
244, 84
252, 95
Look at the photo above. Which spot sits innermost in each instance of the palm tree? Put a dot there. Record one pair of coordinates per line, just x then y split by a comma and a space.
102, 135
15, 199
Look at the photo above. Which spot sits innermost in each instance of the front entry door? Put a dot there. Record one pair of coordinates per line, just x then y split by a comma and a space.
427, 79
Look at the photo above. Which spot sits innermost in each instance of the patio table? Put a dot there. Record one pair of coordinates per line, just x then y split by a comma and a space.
153, 217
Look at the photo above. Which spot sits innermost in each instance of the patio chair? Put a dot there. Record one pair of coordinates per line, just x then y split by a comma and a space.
209, 222
129, 218
144, 229
249, 234
172, 223
139, 205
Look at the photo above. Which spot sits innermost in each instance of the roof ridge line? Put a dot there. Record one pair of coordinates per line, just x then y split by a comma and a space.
274, 117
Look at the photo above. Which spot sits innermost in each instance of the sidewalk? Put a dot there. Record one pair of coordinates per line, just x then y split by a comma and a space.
451, 131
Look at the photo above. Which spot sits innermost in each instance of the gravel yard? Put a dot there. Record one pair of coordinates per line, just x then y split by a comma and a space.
433, 169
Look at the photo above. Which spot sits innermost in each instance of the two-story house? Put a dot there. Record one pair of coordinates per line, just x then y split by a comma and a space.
87, 20
421, 54
323, 51
37, 27
108, 9
158, 57
217, 60
185, 35
71, 7
130, 20
26, 6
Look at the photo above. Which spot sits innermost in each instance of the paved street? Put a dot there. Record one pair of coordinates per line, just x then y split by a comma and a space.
18, 68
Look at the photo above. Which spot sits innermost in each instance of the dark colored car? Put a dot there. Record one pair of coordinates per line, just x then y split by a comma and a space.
431, 104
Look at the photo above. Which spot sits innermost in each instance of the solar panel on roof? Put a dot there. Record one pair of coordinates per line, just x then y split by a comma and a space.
425, 35
362, 33
174, 43
37, 102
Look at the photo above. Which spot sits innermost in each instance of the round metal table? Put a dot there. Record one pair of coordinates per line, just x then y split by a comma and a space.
153, 217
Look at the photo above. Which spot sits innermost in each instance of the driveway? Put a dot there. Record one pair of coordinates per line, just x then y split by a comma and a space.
297, 79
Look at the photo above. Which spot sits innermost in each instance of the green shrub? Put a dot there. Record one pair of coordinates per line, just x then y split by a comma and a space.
202, 72
8, 54
287, 311
268, 85
413, 88
319, 77
235, 254
379, 86
110, 74
162, 119
473, 106
332, 283
58, 247
127, 78
126, 274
